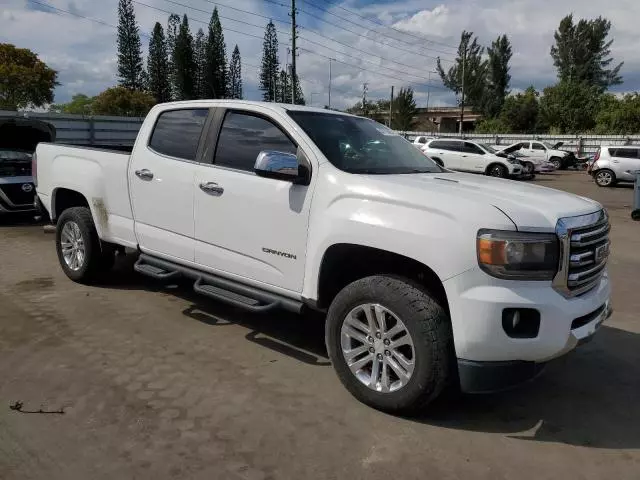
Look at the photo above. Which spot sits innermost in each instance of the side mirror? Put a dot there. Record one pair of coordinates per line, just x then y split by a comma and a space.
281, 166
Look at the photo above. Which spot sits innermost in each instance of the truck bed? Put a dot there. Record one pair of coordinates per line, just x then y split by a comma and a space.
99, 174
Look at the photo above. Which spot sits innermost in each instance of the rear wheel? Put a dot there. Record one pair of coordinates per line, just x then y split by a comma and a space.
390, 343
605, 178
78, 246
497, 170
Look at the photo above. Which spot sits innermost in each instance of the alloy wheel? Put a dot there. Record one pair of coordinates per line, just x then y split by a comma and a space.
73, 248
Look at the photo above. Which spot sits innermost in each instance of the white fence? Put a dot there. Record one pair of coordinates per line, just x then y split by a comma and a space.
579, 144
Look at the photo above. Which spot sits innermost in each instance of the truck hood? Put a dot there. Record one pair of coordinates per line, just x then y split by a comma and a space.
530, 207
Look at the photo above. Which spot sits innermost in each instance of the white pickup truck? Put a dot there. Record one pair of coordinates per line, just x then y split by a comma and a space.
429, 278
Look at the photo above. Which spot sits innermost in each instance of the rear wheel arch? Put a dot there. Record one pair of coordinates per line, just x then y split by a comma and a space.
65, 198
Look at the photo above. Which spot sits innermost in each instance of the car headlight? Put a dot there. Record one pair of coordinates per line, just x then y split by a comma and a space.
518, 255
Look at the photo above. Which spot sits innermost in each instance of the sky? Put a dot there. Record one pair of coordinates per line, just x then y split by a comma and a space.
380, 43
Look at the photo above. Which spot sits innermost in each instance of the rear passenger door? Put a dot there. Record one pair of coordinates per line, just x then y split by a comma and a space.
446, 151
161, 183
249, 227
473, 158
625, 162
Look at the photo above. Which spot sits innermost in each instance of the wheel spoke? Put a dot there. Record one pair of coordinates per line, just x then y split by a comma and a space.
400, 342
352, 354
402, 361
380, 318
356, 366
353, 333
385, 381
375, 373
399, 371
370, 320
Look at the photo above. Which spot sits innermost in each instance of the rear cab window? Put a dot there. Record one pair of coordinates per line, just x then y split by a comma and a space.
177, 132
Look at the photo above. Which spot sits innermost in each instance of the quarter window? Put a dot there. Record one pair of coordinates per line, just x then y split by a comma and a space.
243, 136
177, 132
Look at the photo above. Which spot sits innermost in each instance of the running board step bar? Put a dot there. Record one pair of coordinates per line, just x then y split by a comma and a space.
222, 289
154, 272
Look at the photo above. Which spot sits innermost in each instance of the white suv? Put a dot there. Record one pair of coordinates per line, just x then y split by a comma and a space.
613, 164
467, 156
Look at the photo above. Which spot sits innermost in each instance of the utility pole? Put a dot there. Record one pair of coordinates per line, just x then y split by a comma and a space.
294, 51
365, 88
428, 92
464, 62
330, 82
391, 108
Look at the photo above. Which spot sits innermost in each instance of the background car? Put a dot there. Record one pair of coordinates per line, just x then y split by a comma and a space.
468, 156
544, 152
613, 164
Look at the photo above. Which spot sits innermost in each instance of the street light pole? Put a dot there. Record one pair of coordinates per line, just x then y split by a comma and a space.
330, 82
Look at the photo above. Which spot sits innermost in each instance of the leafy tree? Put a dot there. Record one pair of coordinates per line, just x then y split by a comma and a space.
200, 58
158, 66
491, 125
130, 69
582, 53
217, 74
498, 77
404, 110
173, 26
25, 81
235, 75
123, 101
80, 104
619, 116
570, 107
184, 64
470, 60
269, 68
520, 112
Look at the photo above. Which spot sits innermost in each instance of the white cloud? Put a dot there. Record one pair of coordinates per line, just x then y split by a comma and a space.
85, 55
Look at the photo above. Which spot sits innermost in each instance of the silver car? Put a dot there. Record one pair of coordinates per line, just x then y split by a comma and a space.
613, 164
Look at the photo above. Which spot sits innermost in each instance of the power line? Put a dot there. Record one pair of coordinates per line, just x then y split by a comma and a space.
446, 59
390, 27
394, 70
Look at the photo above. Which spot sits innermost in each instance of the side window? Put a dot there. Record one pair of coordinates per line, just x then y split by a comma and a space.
438, 144
243, 136
626, 153
613, 152
537, 146
455, 146
473, 148
524, 145
177, 132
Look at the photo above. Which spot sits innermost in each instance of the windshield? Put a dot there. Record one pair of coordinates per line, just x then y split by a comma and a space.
360, 145
548, 145
488, 148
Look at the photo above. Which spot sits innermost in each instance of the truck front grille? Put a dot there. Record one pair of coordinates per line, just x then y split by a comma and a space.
15, 195
584, 245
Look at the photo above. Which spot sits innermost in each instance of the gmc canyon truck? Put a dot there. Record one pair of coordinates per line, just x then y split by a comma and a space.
429, 278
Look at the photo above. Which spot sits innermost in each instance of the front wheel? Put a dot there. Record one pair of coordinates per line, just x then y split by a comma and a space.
499, 171
556, 162
390, 343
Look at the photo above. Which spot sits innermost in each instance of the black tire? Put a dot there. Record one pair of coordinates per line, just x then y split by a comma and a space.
438, 161
557, 163
427, 324
497, 170
528, 168
94, 261
605, 178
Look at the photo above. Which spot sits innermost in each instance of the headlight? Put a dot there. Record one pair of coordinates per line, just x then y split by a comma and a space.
517, 255
513, 160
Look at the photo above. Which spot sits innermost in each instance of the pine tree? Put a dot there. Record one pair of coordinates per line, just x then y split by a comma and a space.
404, 107
235, 75
184, 64
470, 55
582, 53
269, 67
130, 69
217, 75
200, 58
498, 77
299, 96
283, 88
173, 25
158, 66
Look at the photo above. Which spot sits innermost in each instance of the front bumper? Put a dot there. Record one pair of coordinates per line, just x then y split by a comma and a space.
477, 301
16, 195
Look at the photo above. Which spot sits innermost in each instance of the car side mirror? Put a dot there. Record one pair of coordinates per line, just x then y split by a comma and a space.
281, 166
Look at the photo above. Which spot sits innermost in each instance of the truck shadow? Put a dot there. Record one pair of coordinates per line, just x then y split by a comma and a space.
588, 398
300, 337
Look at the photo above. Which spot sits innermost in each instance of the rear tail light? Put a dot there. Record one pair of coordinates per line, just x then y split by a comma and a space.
596, 156
34, 168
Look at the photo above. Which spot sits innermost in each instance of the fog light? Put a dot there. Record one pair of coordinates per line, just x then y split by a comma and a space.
521, 322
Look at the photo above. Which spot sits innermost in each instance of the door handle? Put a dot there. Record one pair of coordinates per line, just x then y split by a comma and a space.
616, 161
212, 188
463, 156
144, 174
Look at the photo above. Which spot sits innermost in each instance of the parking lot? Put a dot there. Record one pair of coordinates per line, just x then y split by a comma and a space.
156, 382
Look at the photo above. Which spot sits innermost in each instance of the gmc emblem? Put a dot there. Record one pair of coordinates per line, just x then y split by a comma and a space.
602, 252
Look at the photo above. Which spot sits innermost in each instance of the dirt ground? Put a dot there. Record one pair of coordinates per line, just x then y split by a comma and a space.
159, 383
